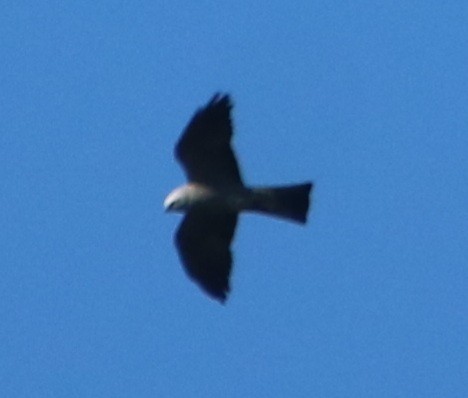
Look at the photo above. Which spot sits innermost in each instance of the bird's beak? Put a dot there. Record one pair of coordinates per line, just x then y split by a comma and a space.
167, 207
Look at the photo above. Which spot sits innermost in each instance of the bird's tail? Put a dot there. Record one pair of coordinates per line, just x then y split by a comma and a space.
290, 202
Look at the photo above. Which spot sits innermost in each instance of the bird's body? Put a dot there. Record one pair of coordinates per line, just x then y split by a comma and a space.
216, 194
196, 194
290, 202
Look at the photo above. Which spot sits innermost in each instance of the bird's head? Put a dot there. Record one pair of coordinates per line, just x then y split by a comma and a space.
185, 197
178, 200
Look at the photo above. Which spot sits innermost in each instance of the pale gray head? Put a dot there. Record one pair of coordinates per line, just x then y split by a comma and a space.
183, 198
177, 200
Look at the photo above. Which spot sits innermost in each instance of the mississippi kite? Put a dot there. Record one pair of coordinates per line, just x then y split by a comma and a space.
215, 195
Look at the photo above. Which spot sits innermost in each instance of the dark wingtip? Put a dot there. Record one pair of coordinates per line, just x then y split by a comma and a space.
218, 295
220, 98
216, 289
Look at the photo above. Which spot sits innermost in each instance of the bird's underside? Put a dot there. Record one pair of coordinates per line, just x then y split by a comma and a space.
216, 194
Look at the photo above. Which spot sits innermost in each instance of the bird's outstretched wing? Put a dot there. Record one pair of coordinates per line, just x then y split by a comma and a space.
203, 241
205, 146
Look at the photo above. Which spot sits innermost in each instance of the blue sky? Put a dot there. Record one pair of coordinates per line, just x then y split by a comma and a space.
367, 99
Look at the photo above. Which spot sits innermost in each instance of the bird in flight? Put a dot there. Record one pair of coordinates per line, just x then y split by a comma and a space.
215, 195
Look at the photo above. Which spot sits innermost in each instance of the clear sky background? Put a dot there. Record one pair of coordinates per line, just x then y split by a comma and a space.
367, 99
